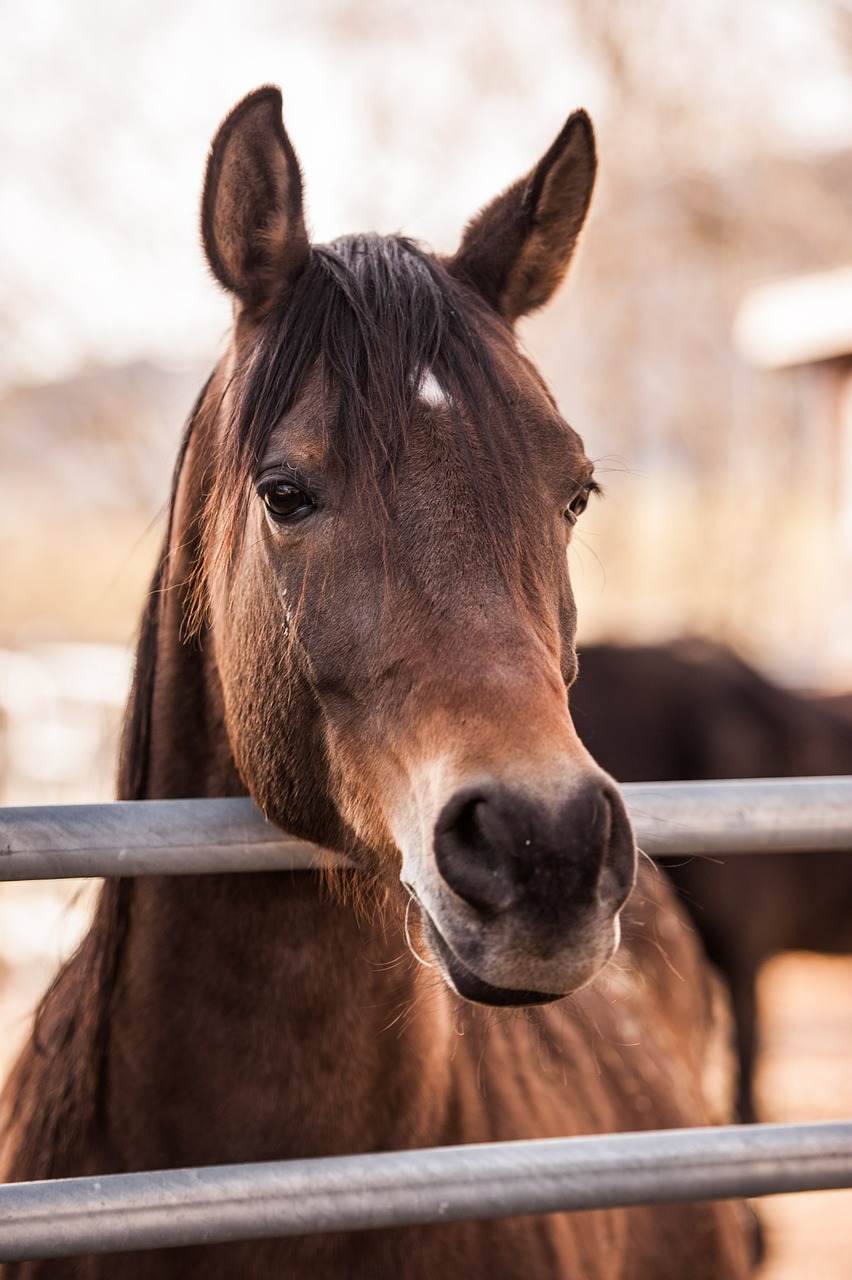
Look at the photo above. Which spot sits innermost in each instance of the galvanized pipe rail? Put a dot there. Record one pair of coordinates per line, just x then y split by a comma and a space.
186, 837
393, 1189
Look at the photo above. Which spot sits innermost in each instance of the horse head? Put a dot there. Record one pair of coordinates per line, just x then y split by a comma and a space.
384, 575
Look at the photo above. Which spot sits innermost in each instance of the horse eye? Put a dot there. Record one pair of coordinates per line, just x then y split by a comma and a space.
286, 502
578, 505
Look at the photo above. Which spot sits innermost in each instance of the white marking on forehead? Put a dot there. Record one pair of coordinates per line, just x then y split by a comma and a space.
431, 391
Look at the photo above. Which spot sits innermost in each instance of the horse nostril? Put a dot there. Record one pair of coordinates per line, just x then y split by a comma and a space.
499, 848
468, 825
473, 852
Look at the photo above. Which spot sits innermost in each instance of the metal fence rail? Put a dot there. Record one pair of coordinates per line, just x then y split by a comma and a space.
239, 1202
182, 837
443, 1184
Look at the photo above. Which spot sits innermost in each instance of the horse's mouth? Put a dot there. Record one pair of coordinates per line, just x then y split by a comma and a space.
466, 982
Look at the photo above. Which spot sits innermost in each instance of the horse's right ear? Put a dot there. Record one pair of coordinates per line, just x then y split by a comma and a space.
252, 222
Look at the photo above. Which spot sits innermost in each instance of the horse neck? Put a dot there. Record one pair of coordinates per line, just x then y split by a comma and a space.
243, 996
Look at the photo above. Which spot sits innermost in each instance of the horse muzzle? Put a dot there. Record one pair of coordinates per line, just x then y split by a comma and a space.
520, 894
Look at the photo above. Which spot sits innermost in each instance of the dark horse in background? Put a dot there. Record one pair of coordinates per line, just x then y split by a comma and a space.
362, 617
693, 710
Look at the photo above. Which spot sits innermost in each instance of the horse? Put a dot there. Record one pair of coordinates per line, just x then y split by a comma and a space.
362, 618
692, 709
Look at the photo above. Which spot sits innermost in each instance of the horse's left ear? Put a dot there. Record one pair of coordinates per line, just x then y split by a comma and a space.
517, 250
252, 222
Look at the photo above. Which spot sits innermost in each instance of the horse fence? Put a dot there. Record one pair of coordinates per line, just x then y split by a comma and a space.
238, 1202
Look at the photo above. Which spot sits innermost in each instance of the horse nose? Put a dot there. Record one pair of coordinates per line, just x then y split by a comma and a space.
498, 848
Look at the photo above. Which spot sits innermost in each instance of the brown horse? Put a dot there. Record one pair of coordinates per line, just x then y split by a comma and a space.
691, 710
362, 617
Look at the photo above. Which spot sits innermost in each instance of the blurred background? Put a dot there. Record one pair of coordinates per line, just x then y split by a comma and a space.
702, 346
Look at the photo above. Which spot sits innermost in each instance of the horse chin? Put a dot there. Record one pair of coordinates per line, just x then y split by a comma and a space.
473, 988
468, 984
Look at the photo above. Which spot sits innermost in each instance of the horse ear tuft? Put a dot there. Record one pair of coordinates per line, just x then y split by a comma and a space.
252, 221
517, 250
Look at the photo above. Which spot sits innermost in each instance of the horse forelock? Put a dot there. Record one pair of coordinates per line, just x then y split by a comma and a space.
382, 320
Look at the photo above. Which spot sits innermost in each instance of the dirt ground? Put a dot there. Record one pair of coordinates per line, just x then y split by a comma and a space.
805, 1073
